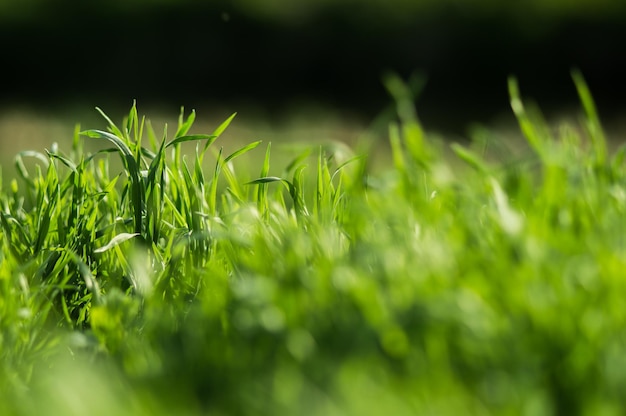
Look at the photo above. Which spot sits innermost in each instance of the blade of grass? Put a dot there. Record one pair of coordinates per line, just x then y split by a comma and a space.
526, 125
114, 129
471, 158
184, 125
261, 191
136, 184
220, 129
241, 151
594, 126
115, 241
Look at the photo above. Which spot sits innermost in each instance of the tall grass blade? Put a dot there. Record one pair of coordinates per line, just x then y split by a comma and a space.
132, 167
594, 126
261, 191
112, 126
242, 150
471, 158
526, 125
412, 132
184, 125
222, 127
132, 123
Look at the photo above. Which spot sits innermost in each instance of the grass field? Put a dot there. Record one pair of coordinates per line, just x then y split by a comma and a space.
162, 274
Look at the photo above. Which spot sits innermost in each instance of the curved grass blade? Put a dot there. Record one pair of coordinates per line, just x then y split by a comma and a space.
297, 161
241, 151
267, 179
111, 137
193, 137
184, 126
220, 129
594, 126
470, 158
137, 190
526, 125
116, 241
112, 125
21, 167
63, 160
132, 122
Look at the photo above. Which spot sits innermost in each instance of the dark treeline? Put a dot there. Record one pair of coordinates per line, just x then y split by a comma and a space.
188, 55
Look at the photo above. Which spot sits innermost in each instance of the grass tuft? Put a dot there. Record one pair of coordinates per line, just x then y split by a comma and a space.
176, 284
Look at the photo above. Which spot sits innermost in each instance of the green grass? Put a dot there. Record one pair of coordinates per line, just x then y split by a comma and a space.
181, 283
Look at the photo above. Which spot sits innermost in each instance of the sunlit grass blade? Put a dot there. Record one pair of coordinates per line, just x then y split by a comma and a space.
16, 237
324, 186
112, 126
592, 121
222, 127
67, 162
261, 190
397, 151
529, 129
132, 123
297, 161
136, 185
112, 138
242, 150
296, 191
184, 125
43, 223
194, 137
412, 133
267, 179
470, 158
21, 167
115, 241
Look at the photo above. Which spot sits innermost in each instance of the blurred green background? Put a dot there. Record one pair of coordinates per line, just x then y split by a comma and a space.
278, 60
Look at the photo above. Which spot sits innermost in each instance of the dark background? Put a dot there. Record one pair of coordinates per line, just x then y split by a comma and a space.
190, 53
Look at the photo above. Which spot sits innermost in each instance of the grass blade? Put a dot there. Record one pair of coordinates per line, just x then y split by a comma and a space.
115, 241
596, 132
114, 129
242, 150
184, 126
194, 137
526, 125
220, 129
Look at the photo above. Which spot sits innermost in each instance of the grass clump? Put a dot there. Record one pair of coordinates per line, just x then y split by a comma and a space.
179, 286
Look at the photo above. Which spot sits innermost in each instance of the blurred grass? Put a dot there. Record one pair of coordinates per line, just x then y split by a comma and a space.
400, 9
483, 288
